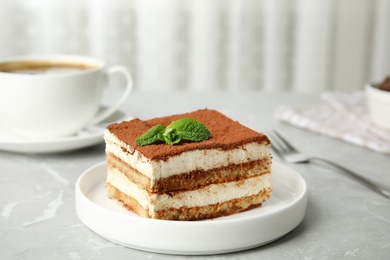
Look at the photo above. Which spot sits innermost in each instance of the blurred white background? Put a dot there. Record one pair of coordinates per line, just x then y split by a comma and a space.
300, 45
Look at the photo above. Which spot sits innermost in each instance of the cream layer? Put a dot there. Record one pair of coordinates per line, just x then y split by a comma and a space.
209, 195
185, 162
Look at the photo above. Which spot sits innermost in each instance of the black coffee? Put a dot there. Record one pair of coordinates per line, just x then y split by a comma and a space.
44, 67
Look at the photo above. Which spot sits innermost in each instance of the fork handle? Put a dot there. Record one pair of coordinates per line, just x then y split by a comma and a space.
379, 188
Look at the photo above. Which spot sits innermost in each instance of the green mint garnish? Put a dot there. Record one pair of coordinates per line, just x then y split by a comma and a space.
183, 129
153, 135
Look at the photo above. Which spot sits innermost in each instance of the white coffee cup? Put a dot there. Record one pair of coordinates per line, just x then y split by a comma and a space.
378, 102
50, 96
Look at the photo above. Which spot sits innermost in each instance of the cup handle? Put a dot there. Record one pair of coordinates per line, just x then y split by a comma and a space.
113, 108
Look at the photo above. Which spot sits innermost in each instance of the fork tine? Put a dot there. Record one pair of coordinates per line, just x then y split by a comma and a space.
274, 145
277, 145
274, 142
281, 139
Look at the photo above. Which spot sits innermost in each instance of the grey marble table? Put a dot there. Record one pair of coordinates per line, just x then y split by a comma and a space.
343, 219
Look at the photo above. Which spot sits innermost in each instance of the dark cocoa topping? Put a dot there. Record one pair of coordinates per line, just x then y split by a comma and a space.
225, 134
385, 85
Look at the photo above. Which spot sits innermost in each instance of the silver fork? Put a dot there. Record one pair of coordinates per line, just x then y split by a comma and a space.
291, 155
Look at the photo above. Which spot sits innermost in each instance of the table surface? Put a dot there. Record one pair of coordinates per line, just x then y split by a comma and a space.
343, 219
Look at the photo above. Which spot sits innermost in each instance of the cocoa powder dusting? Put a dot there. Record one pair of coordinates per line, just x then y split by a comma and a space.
225, 134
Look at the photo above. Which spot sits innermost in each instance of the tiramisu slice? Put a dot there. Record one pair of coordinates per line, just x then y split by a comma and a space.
227, 173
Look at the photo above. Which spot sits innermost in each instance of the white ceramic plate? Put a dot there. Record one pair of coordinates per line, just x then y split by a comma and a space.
86, 137
275, 218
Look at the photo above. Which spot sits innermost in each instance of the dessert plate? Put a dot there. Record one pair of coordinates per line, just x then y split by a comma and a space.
276, 217
86, 137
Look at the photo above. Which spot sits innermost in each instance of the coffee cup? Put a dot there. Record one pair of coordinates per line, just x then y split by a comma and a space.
51, 96
378, 102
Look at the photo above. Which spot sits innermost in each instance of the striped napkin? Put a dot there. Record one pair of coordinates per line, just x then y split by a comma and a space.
341, 115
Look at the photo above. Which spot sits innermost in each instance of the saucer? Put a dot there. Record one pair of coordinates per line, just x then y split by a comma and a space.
88, 136
283, 212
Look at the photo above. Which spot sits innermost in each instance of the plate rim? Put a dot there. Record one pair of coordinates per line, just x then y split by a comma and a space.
59, 144
54, 145
81, 197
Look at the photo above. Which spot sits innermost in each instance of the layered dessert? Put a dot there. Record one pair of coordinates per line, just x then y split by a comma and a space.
226, 173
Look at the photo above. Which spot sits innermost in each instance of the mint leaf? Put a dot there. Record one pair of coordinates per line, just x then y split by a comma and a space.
153, 135
183, 129
171, 136
189, 129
